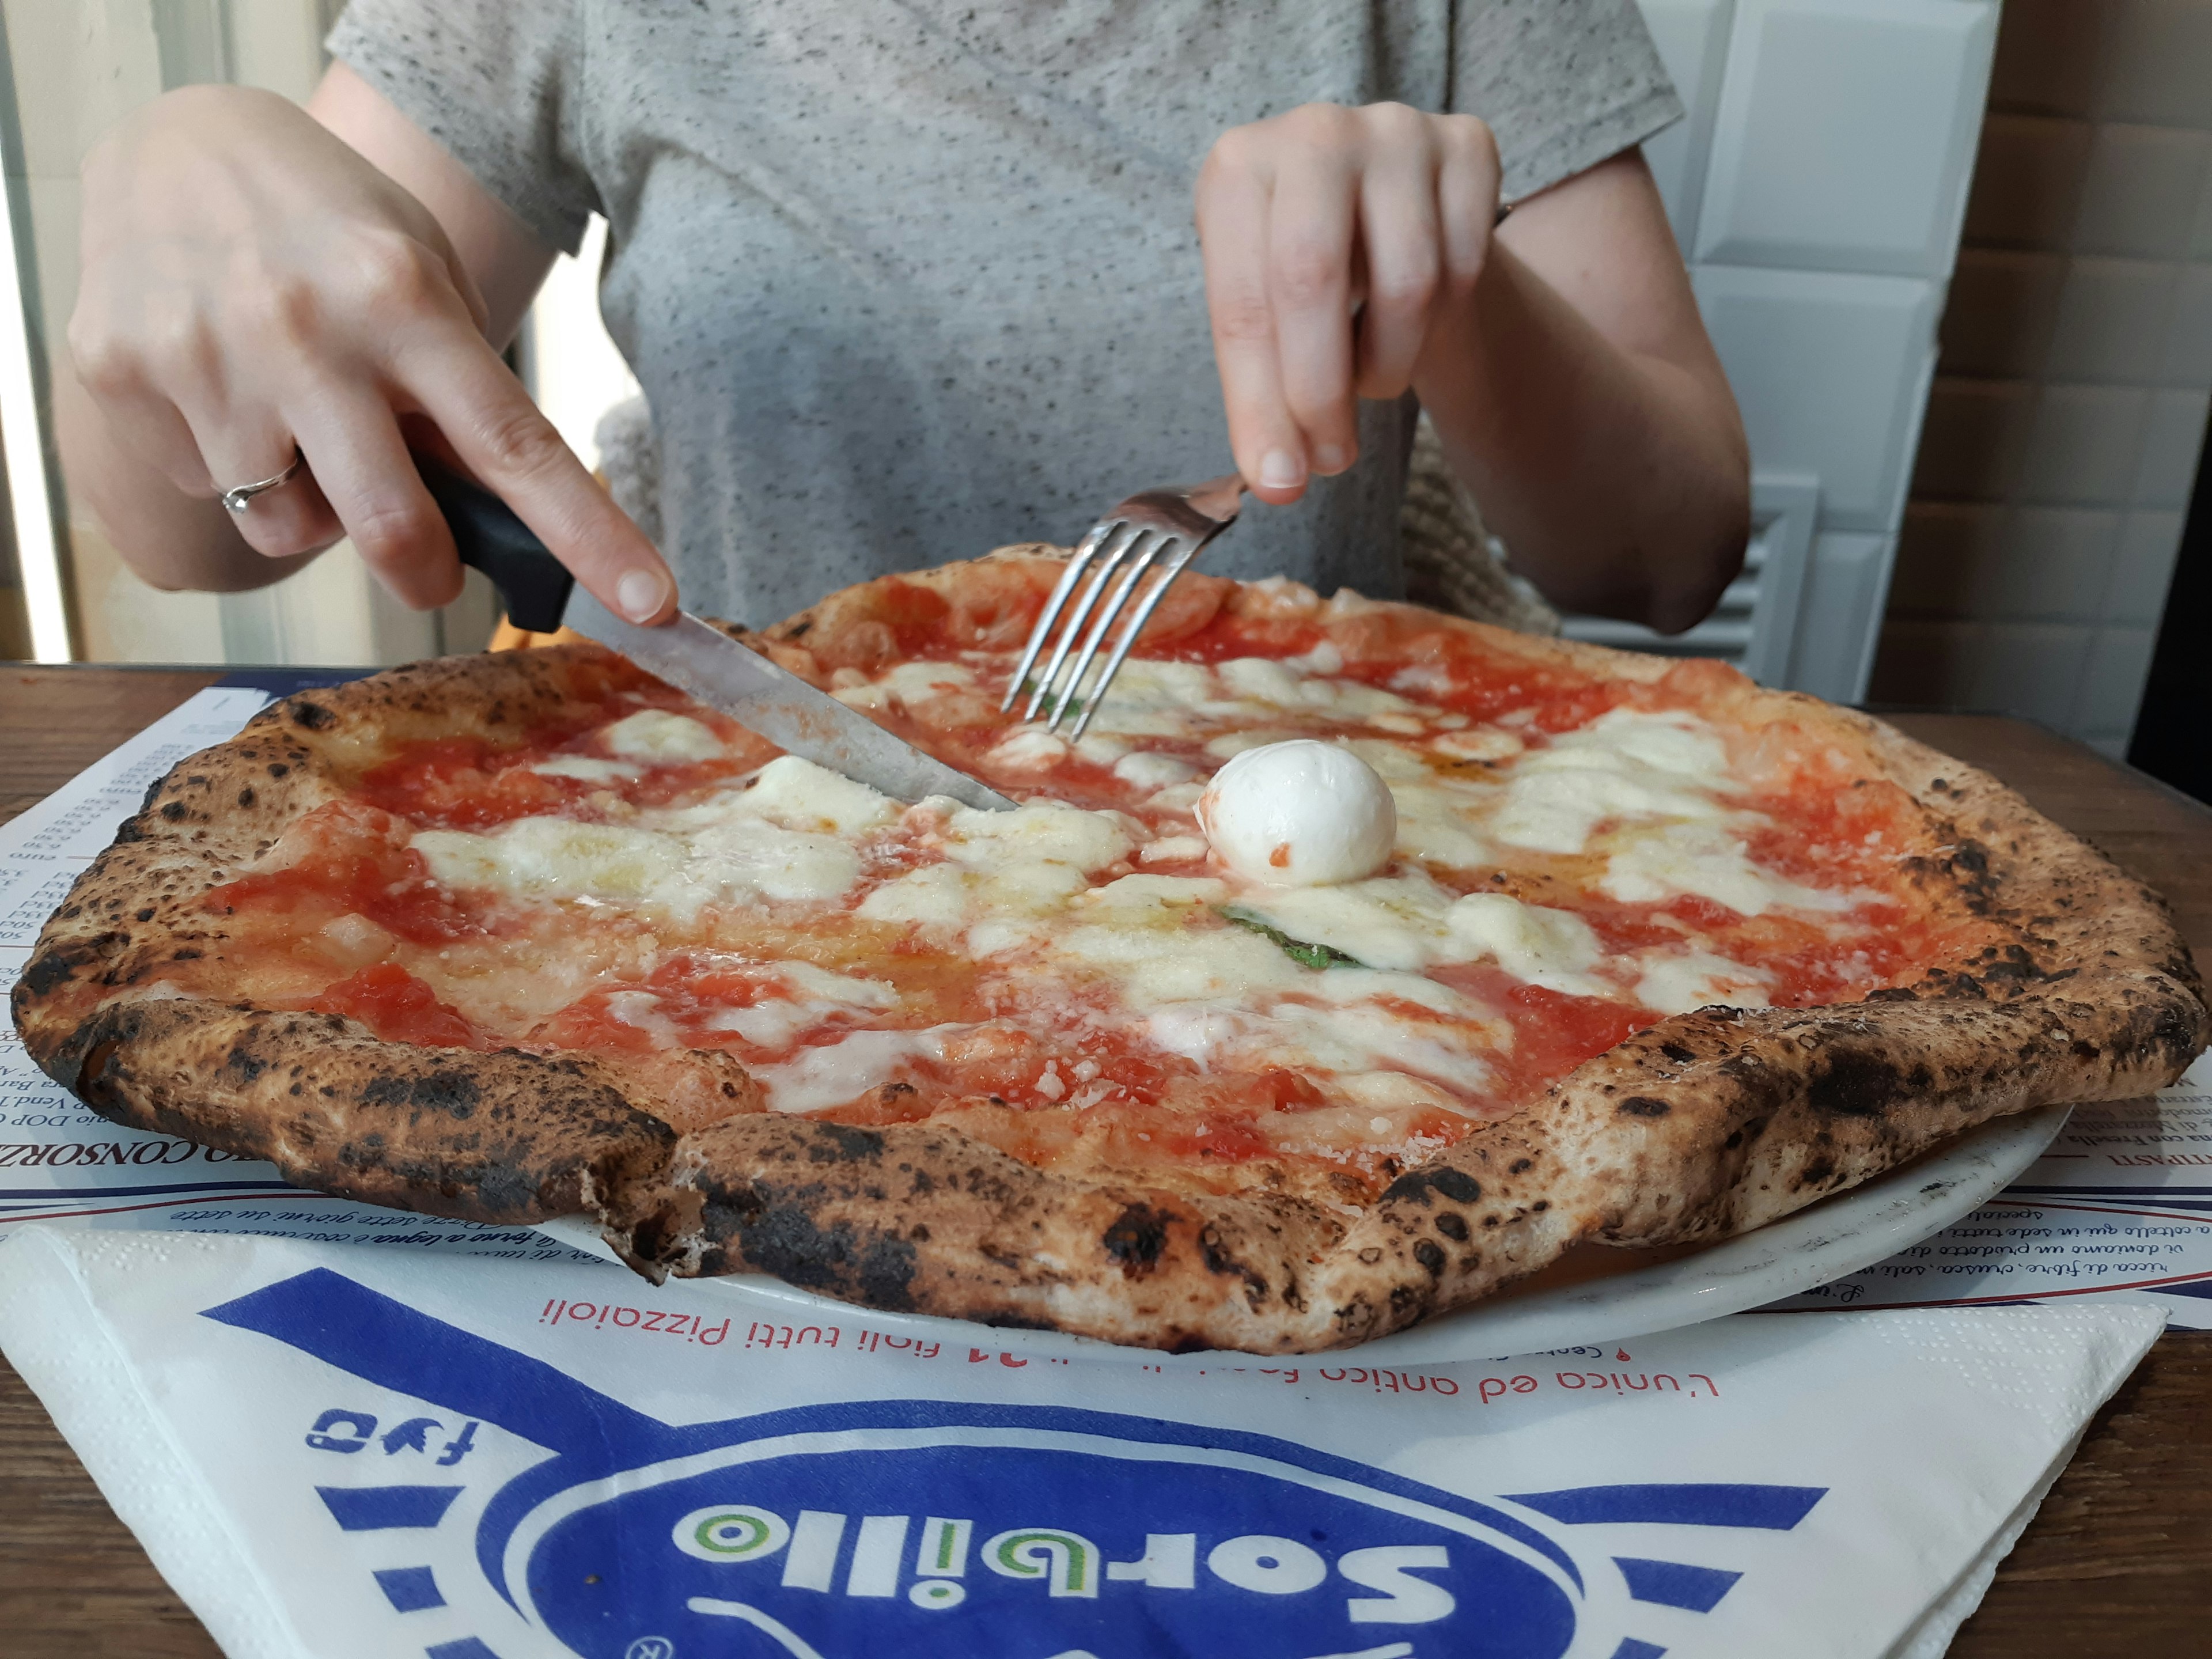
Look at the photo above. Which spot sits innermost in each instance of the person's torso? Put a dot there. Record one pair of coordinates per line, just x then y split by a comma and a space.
904, 281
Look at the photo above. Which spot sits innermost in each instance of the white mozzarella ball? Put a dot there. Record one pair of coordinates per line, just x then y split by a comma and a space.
1299, 814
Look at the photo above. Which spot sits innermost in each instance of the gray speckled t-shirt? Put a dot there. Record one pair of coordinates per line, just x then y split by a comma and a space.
906, 280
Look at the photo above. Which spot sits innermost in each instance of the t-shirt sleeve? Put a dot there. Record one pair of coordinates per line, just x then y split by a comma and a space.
497, 83
1562, 84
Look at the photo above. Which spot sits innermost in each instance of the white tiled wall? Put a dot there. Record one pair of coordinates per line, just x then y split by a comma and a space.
1846, 134
1827, 369
2069, 409
1818, 187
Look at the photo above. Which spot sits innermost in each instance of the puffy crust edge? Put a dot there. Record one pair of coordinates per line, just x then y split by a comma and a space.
1705, 1124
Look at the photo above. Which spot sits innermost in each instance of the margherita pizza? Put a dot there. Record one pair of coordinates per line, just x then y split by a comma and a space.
1477, 946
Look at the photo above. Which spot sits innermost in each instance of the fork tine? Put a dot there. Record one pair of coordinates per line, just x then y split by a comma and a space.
1114, 608
1069, 575
1170, 567
1117, 544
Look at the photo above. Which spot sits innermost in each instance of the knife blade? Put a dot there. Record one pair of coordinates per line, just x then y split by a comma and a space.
691, 655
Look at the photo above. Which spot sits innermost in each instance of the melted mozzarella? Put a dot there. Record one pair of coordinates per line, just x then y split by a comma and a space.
909, 683
1480, 743
1002, 868
1143, 769
1365, 1039
1704, 859
934, 896
1536, 944
1028, 748
800, 795
1676, 984
1626, 765
735, 862
1148, 894
833, 1075
584, 769
1386, 921
660, 737
553, 858
719, 852
1042, 832
1150, 966
808, 981
815, 994
1172, 849
1438, 812
1407, 923
1353, 1034
1153, 699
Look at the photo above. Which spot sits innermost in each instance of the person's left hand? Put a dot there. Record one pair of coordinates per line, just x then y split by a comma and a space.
1334, 239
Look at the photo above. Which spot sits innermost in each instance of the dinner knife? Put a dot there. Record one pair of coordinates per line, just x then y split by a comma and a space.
759, 693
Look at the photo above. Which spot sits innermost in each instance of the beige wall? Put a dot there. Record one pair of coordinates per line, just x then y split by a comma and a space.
2071, 398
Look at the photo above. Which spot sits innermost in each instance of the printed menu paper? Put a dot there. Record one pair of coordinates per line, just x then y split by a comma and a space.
364, 1452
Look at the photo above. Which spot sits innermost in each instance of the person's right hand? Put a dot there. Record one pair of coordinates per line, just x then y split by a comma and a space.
249, 284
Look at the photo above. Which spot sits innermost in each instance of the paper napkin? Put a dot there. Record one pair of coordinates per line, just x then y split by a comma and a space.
341, 1450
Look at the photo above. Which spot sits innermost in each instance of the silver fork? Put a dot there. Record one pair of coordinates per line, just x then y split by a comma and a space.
1157, 530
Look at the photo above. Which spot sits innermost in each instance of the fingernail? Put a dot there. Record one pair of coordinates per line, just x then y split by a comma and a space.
640, 594
1329, 459
1280, 469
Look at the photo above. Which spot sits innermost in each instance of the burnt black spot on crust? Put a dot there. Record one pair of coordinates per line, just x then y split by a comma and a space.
175, 811
1854, 1082
1430, 1255
1455, 1184
779, 1233
1452, 1225
839, 1143
49, 971
1680, 1054
1135, 1239
452, 1092
1219, 1259
307, 712
1644, 1106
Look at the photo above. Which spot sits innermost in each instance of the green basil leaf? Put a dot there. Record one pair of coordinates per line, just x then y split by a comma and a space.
1303, 952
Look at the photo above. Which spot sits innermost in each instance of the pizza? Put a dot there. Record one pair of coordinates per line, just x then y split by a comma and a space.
1357, 963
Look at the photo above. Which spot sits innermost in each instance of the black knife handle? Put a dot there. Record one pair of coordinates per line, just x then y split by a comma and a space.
532, 584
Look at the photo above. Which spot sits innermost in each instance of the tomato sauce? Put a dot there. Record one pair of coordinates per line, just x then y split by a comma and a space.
351, 862
399, 1008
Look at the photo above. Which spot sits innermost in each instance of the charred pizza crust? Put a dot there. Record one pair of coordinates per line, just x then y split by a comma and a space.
1704, 1125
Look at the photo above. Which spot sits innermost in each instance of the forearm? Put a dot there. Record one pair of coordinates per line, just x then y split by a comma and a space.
1619, 478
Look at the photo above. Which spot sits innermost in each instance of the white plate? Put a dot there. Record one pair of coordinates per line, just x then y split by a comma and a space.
1594, 1295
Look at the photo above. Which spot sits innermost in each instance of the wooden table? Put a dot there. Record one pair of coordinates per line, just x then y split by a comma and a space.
2119, 1562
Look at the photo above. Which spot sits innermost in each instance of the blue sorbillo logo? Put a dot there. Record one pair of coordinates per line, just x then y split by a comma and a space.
926, 1529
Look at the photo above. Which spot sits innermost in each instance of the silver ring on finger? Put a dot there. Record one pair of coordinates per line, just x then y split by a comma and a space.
239, 499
